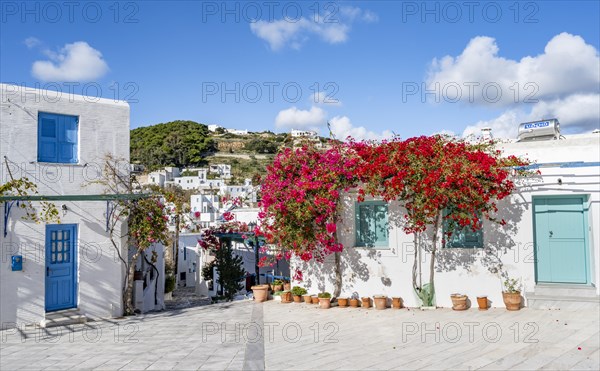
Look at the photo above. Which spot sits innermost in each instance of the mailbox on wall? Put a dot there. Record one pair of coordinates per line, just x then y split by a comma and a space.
17, 263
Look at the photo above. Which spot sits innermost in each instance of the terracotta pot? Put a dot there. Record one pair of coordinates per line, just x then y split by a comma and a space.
342, 302
286, 297
366, 302
380, 301
396, 303
297, 298
482, 302
307, 299
354, 303
325, 303
314, 299
512, 300
459, 302
287, 286
260, 293
277, 288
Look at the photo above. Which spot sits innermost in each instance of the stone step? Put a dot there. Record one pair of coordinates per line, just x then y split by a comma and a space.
537, 301
566, 290
63, 318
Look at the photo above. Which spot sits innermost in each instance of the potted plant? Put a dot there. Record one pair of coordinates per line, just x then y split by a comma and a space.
260, 293
314, 299
169, 287
482, 302
277, 295
342, 302
307, 298
354, 303
511, 294
459, 301
366, 302
380, 301
277, 285
287, 286
286, 296
324, 300
297, 293
396, 302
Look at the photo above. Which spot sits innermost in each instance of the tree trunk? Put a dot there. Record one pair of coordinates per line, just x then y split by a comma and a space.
338, 274
415, 263
436, 226
176, 245
129, 307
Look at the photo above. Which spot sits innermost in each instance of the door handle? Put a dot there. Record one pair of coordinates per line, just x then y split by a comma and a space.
551, 234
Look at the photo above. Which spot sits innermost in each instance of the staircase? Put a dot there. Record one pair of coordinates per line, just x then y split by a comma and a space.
63, 318
563, 296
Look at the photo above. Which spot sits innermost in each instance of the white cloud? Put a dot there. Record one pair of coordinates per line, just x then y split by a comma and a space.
568, 65
31, 42
74, 62
342, 127
576, 113
325, 98
301, 119
294, 33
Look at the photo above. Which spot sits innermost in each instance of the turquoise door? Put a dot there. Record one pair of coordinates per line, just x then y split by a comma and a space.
61, 266
560, 240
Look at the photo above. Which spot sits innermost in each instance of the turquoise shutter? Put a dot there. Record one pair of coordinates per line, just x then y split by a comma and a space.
371, 224
67, 139
380, 225
47, 137
463, 237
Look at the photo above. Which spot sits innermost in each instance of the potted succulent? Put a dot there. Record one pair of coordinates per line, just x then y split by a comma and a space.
297, 293
286, 296
260, 293
459, 301
277, 285
325, 300
380, 301
314, 299
366, 302
482, 302
342, 302
396, 302
511, 294
307, 298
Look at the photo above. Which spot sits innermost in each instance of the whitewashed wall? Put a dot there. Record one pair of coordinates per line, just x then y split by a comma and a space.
103, 129
473, 272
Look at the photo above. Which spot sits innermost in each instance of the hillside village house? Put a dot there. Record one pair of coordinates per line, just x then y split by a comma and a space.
551, 242
59, 141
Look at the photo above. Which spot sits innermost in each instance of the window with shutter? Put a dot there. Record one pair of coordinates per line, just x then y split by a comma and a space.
371, 224
57, 138
463, 237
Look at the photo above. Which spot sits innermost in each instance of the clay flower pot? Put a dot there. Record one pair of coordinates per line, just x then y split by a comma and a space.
260, 293
286, 297
354, 303
482, 302
397, 303
287, 286
297, 298
314, 299
380, 301
307, 298
325, 303
512, 300
277, 288
459, 301
366, 302
342, 302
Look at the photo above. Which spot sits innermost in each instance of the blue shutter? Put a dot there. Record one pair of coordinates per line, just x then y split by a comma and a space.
57, 138
47, 137
463, 237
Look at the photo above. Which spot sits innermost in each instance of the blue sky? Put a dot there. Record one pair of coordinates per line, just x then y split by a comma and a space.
370, 61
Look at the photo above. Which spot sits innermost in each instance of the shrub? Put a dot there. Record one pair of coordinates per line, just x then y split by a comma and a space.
277, 282
298, 291
169, 284
324, 295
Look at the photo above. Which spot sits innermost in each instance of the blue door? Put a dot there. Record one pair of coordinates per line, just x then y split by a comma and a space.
61, 267
560, 240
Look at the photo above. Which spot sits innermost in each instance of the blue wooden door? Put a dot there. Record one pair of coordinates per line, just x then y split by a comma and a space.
61, 266
560, 238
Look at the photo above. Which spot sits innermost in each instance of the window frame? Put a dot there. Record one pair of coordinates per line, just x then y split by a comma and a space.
465, 244
358, 242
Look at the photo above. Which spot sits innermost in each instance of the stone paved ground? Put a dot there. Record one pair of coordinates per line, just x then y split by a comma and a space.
185, 297
242, 335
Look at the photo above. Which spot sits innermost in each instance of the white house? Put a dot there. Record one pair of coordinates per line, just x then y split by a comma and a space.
303, 133
205, 209
213, 128
551, 242
164, 176
223, 170
59, 141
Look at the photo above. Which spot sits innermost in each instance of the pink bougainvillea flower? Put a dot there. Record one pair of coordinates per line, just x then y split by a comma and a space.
331, 228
